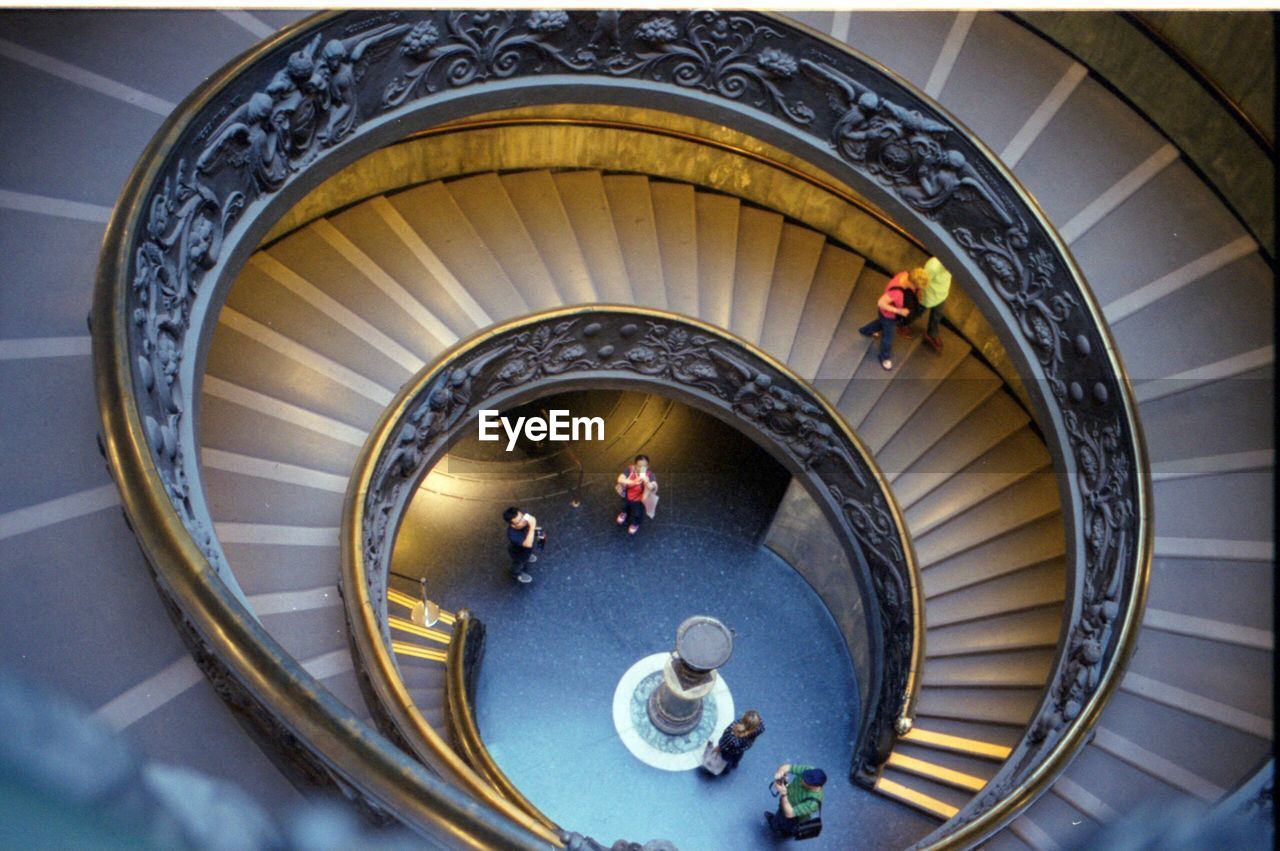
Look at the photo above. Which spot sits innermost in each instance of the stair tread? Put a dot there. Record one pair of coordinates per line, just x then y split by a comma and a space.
1034, 628
997, 706
759, 233
918, 378
833, 283
483, 199
1019, 549
799, 250
1037, 586
635, 222
717, 224
677, 219
946, 767
988, 424
1012, 460
949, 797
583, 196
932, 741
434, 215
1014, 668
367, 227
536, 199
1032, 498
969, 385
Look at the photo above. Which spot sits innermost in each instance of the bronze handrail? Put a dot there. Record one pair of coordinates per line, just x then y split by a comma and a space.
463, 730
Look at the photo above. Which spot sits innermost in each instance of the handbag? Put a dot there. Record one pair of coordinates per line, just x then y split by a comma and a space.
712, 761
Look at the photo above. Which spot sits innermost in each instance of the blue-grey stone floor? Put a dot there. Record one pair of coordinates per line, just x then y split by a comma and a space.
556, 648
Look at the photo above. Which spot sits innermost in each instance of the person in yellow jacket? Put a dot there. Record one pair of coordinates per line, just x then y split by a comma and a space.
932, 296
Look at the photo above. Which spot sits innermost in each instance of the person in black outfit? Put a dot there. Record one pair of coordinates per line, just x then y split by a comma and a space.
521, 530
738, 737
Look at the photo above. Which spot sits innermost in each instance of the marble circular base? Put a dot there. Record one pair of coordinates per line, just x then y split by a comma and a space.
649, 744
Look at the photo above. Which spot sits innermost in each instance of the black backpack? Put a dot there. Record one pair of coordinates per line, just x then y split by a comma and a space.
911, 302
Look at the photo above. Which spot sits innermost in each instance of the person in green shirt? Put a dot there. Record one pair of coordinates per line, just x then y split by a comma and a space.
932, 296
799, 797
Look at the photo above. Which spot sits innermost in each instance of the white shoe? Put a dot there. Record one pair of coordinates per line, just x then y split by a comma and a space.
887, 364
524, 578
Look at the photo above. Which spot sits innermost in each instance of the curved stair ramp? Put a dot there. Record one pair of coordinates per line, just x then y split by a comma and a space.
1193, 715
975, 485
1157, 245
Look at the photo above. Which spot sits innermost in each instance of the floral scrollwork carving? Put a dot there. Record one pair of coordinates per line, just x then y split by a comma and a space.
718, 52
477, 46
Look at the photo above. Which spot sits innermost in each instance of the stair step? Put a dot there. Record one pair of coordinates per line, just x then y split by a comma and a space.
832, 287
991, 422
966, 388
759, 233
871, 380
1034, 497
311, 255
916, 381
1013, 669
1021, 630
635, 222
1009, 462
378, 229
718, 217
847, 346
677, 219
1024, 547
1003, 736
583, 196
248, 363
798, 253
932, 740
997, 706
272, 303
483, 199
1039, 586
536, 199
935, 799
434, 215
949, 769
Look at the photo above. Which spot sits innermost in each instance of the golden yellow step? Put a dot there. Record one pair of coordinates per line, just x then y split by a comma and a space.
940, 773
402, 599
919, 800
956, 744
406, 649
420, 631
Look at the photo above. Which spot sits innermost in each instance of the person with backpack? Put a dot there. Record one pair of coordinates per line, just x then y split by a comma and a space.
900, 299
638, 488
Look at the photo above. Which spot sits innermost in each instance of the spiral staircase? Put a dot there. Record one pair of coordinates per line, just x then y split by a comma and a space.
328, 319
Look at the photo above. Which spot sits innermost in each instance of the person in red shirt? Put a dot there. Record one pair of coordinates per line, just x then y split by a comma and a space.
902, 288
633, 486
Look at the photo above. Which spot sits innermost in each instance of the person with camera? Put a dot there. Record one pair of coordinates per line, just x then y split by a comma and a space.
799, 792
638, 488
522, 534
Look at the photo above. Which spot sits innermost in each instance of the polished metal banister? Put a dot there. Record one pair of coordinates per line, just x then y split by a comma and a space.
461, 666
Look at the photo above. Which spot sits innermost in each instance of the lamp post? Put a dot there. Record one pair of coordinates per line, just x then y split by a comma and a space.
703, 644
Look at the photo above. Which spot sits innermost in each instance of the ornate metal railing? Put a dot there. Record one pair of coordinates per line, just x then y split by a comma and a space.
622, 346
276, 122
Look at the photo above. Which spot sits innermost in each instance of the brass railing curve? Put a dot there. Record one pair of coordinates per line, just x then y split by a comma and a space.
290, 112
461, 669
626, 345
